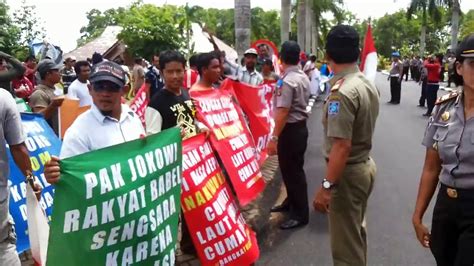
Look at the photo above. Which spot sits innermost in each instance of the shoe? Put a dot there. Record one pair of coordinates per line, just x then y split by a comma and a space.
396, 103
284, 207
390, 102
421, 105
427, 114
292, 223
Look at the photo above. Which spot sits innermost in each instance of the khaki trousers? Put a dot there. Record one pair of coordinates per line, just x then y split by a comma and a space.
347, 214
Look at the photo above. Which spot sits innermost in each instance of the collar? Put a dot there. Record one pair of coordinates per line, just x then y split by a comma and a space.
126, 113
45, 87
349, 70
291, 69
254, 72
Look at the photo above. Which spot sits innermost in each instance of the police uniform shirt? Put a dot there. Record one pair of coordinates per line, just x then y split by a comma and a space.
167, 110
350, 112
292, 92
453, 138
397, 68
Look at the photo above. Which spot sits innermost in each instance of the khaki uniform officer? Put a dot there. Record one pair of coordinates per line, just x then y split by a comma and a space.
290, 135
349, 116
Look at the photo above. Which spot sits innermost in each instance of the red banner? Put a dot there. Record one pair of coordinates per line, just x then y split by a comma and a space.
139, 103
232, 140
256, 102
217, 227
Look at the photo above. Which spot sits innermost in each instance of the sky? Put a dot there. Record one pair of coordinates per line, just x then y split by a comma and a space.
63, 19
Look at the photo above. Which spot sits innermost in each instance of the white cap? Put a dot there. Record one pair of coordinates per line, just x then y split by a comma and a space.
251, 51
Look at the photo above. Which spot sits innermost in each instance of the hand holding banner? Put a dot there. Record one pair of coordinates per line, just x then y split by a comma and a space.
119, 205
218, 230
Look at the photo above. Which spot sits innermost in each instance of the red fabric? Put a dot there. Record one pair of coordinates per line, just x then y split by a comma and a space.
30, 74
23, 87
190, 78
433, 71
369, 47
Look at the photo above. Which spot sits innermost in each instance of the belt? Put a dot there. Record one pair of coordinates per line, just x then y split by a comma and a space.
350, 163
455, 193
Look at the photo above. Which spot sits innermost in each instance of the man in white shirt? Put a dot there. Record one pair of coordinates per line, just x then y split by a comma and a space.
107, 123
79, 88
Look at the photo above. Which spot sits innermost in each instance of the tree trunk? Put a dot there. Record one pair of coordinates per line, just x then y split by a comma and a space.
242, 26
285, 20
314, 38
301, 14
455, 25
308, 26
422, 40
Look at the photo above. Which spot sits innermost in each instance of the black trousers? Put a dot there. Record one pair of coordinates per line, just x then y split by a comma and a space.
395, 89
413, 72
452, 232
422, 100
431, 95
291, 149
405, 73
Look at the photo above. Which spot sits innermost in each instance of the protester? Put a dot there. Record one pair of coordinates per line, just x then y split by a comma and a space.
449, 165
268, 72
153, 78
138, 75
30, 66
191, 75
10, 68
209, 69
310, 66
395, 77
247, 74
451, 69
350, 113
11, 133
290, 135
263, 55
406, 68
68, 75
107, 123
43, 100
433, 67
79, 89
96, 58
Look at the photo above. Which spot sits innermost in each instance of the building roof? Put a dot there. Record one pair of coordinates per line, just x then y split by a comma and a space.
100, 44
203, 45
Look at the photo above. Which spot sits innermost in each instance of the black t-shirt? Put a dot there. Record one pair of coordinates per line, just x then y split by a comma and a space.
175, 110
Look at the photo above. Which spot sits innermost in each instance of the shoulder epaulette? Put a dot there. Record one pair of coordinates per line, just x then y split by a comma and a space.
447, 97
337, 85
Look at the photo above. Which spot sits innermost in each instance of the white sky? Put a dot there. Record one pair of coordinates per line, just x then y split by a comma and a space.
64, 18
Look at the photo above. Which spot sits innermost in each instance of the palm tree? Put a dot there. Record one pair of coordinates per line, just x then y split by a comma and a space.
455, 7
319, 7
242, 14
285, 20
301, 22
426, 7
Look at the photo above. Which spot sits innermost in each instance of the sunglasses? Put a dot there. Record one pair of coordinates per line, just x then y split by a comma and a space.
106, 86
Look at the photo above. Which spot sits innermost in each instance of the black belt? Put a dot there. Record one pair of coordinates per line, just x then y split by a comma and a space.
296, 124
350, 163
456, 192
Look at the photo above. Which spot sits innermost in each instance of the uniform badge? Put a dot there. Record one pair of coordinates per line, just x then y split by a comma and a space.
445, 116
278, 86
333, 108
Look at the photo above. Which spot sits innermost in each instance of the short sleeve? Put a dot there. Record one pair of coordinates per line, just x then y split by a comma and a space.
430, 130
39, 99
12, 126
341, 112
153, 121
284, 96
72, 92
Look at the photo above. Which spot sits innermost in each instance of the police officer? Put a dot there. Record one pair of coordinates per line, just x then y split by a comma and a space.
395, 76
291, 134
450, 161
349, 116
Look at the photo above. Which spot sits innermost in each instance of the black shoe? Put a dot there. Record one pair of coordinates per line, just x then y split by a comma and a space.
390, 102
396, 103
292, 223
284, 207
427, 114
421, 105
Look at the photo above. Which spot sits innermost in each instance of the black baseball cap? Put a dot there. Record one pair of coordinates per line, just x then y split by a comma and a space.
46, 65
108, 71
466, 47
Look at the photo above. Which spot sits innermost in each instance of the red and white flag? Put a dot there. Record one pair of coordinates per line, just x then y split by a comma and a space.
368, 61
38, 228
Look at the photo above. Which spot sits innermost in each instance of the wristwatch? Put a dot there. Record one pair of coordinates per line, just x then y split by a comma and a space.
274, 138
327, 184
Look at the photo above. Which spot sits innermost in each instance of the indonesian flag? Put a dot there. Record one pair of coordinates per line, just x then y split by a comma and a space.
38, 228
368, 62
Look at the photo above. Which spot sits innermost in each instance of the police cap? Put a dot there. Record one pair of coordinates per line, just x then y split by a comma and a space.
466, 47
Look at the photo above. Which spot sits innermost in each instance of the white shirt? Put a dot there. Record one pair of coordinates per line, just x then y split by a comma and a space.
92, 131
79, 90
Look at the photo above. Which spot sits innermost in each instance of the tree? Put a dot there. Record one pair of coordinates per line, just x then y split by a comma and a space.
26, 20
98, 21
9, 33
285, 20
265, 25
301, 18
319, 8
242, 15
426, 7
148, 29
468, 24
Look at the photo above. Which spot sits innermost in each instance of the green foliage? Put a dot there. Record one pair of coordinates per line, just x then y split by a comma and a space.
10, 34
265, 25
383, 63
98, 21
26, 20
467, 25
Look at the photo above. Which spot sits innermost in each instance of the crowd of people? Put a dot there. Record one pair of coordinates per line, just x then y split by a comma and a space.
350, 112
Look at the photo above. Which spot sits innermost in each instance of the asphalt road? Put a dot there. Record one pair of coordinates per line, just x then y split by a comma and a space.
399, 155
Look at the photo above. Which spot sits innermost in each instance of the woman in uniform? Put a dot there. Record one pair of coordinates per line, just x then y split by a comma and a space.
449, 141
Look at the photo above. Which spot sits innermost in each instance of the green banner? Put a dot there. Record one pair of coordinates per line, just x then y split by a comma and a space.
119, 205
